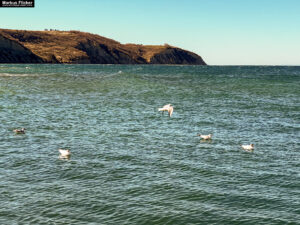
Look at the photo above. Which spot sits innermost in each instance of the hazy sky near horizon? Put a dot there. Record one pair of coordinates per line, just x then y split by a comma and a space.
223, 32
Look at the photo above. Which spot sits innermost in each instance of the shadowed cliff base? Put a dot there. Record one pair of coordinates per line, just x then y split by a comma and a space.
75, 47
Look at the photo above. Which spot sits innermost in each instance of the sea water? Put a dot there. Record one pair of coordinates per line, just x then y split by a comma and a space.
131, 164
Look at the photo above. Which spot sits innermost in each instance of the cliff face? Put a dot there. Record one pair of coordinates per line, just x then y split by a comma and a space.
18, 46
173, 55
12, 51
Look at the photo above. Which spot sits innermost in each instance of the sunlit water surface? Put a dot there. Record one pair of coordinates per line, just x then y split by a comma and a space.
131, 164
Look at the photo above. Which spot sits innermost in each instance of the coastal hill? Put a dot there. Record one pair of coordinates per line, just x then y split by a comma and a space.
21, 46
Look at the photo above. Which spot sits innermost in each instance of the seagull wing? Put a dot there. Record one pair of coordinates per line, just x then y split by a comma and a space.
170, 111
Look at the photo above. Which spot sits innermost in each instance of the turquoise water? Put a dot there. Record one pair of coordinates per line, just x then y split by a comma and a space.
131, 164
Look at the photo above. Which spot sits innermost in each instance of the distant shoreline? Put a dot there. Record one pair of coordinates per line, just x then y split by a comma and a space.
91, 64
75, 47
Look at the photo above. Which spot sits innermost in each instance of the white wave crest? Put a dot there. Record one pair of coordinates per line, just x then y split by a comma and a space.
17, 75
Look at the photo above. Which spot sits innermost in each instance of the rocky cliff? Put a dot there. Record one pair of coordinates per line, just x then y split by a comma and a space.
19, 46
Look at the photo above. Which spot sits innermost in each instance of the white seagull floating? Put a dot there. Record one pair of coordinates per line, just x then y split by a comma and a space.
64, 153
168, 108
248, 148
20, 131
205, 137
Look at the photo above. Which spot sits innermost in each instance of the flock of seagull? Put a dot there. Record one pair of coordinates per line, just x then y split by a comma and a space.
169, 108
66, 153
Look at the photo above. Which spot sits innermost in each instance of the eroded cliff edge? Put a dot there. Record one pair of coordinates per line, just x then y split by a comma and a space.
20, 46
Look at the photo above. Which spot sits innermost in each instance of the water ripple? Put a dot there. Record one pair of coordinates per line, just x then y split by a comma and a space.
133, 165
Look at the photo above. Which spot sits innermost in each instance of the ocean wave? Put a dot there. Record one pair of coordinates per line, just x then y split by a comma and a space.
18, 75
113, 74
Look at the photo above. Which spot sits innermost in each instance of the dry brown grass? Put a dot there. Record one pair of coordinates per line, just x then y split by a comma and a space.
64, 45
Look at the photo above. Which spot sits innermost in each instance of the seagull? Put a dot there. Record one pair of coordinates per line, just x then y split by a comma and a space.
205, 137
248, 148
20, 131
64, 153
168, 108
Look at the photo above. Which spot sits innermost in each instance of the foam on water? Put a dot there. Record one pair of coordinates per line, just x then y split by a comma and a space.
17, 75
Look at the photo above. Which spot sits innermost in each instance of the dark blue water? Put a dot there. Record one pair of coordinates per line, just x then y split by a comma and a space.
131, 164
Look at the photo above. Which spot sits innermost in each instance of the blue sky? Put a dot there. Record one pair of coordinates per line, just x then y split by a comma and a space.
223, 32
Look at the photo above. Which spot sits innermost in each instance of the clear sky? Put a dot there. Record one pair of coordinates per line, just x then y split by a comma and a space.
223, 32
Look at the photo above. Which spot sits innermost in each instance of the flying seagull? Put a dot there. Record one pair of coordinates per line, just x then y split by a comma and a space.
168, 108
